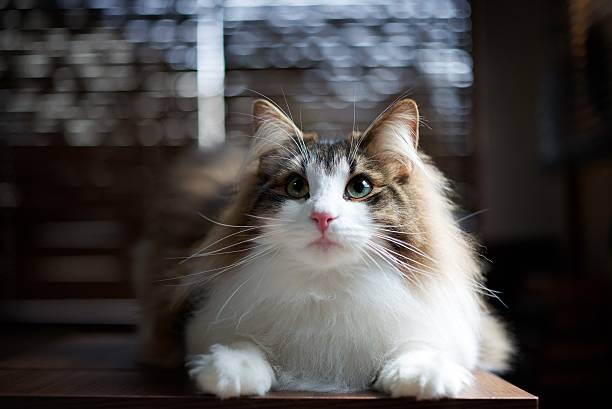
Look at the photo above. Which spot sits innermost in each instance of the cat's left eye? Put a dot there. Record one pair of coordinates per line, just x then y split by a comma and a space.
297, 187
358, 187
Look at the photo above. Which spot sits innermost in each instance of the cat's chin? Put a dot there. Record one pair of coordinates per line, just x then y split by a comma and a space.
326, 254
325, 245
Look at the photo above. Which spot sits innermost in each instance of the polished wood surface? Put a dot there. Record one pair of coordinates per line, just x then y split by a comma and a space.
96, 368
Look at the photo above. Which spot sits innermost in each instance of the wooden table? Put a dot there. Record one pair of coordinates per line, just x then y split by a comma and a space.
95, 368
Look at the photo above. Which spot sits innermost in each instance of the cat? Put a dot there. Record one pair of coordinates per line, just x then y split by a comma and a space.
336, 266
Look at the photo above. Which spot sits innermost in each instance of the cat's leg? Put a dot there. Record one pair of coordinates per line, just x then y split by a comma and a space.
230, 371
424, 373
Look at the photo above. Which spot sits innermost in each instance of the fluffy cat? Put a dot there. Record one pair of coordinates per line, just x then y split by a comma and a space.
336, 266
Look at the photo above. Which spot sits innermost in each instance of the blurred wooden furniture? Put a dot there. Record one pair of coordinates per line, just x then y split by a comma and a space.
94, 367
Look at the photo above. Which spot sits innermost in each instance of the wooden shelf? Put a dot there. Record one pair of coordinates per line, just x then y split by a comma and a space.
95, 368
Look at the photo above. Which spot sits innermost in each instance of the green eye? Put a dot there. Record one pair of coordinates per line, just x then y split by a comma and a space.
297, 187
358, 187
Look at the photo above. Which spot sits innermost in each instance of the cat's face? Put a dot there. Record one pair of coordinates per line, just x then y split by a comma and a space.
324, 202
331, 204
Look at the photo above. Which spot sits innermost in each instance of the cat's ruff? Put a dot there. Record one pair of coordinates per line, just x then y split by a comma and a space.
334, 333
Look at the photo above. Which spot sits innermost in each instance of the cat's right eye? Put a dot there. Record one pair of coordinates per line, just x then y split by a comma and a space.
297, 187
358, 187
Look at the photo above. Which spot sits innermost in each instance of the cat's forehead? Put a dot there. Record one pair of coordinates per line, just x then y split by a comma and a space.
329, 156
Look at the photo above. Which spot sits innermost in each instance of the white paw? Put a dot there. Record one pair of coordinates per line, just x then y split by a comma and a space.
424, 374
232, 371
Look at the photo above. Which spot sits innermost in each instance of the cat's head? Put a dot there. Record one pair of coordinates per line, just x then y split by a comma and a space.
330, 204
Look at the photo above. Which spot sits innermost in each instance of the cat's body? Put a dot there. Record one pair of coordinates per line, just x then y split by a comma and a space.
338, 266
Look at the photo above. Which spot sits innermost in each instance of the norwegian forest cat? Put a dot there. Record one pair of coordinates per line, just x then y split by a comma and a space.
335, 266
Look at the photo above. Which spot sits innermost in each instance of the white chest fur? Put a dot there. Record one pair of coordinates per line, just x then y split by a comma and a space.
330, 330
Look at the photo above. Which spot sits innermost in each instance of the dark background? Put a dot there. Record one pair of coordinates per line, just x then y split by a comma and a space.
98, 98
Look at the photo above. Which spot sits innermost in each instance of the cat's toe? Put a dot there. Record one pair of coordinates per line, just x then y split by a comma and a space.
424, 375
231, 372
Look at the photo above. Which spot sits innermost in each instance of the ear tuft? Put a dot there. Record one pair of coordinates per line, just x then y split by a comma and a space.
265, 112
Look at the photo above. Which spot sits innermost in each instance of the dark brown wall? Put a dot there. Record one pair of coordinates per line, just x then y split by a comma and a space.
522, 197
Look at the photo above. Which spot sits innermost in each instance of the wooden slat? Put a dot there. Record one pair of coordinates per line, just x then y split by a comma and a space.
97, 369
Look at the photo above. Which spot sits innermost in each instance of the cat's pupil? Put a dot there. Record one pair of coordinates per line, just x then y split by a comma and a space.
298, 185
359, 186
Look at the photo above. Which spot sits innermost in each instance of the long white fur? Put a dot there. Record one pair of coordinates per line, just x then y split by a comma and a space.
334, 321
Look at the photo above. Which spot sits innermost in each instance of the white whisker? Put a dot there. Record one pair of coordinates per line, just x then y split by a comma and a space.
219, 252
476, 213
221, 224
230, 297
391, 261
269, 218
406, 246
218, 241
219, 270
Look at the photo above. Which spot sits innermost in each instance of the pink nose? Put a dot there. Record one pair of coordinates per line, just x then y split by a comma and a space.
322, 219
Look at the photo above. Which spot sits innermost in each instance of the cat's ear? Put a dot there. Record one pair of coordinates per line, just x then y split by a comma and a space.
272, 128
397, 124
266, 114
393, 137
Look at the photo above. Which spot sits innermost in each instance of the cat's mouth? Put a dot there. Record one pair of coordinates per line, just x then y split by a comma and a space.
323, 243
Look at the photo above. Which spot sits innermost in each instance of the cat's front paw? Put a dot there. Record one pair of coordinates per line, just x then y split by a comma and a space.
232, 371
423, 374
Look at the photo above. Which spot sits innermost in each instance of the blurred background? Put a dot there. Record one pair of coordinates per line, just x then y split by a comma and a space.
98, 98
